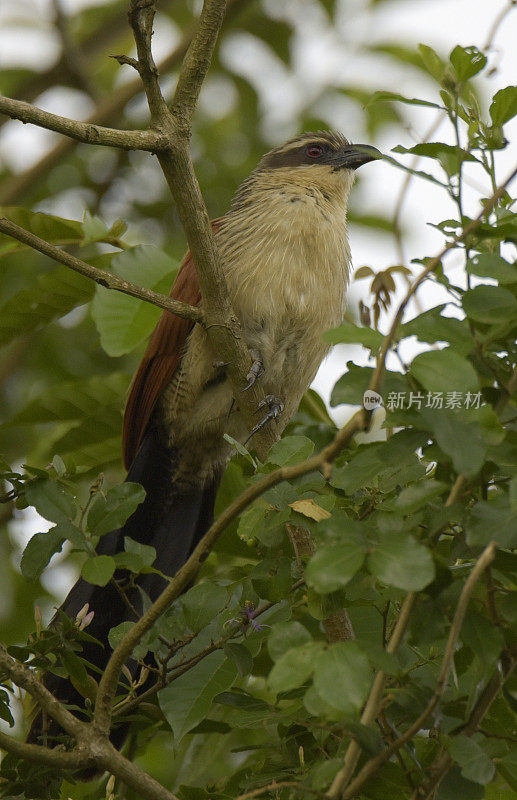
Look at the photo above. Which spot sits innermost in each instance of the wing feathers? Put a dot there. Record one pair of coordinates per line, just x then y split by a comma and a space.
161, 358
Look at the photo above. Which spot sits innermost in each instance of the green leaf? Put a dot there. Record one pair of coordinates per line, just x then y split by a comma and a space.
512, 494
450, 156
351, 387
400, 561
504, 105
459, 440
467, 62
144, 552
98, 570
414, 101
74, 666
110, 511
202, 603
348, 333
492, 521
444, 371
272, 578
51, 296
290, 450
491, 304
187, 700
370, 739
455, 787
39, 551
432, 62
332, 567
314, 407
285, 636
123, 321
46, 226
117, 633
417, 495
432, 327
342, 676
507, 767
294, 667
491, 265
94, 229
485, 640
51, 500
241, 656
75, 400
263, 523
474, 762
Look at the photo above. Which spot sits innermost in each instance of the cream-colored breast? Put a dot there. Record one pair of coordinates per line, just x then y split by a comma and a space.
287, 253
286, 260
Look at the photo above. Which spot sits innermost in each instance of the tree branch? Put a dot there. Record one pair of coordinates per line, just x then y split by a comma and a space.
224, 330
87, 132
371, 709
433, 263
443, 761
188, 571
322, 461
110, 108
60, 759
24, 677
141, 15
100, 276
372, 766
197, 60
94, 749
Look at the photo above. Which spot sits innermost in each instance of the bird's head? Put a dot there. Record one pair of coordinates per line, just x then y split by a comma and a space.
323, 161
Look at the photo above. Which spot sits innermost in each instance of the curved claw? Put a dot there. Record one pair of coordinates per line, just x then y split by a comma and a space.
256, 369
275, 408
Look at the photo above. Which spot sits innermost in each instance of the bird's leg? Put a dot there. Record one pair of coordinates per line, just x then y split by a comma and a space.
275, 407
256, 369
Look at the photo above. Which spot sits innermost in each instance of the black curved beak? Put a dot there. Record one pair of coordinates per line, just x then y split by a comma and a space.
353, 156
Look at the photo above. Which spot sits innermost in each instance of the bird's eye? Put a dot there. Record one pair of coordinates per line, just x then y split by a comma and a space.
314, 150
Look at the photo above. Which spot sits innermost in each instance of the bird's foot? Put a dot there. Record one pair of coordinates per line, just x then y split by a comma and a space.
256, 369
219, 365
275, 407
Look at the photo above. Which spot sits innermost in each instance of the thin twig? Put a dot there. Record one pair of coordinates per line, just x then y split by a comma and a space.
443, 761
373, 704
87, 132
60, 759
72, 55
188, 571
24, 677
141, 16
197, 60
372, 766
107, 110
432, 264
100, 276
275, 785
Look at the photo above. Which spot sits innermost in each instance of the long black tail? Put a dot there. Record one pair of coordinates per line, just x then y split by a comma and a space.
172, 519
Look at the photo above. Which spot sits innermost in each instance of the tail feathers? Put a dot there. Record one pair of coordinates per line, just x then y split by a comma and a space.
172, 519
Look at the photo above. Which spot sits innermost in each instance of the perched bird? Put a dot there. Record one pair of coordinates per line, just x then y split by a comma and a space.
285, 255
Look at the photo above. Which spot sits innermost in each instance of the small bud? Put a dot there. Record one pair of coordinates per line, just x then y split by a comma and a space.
97, 485
37, 619
110, 786
86, 621
82, 613
144, 674
127, 674
301, 756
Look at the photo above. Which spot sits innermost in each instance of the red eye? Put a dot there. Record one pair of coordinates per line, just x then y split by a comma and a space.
314, 150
